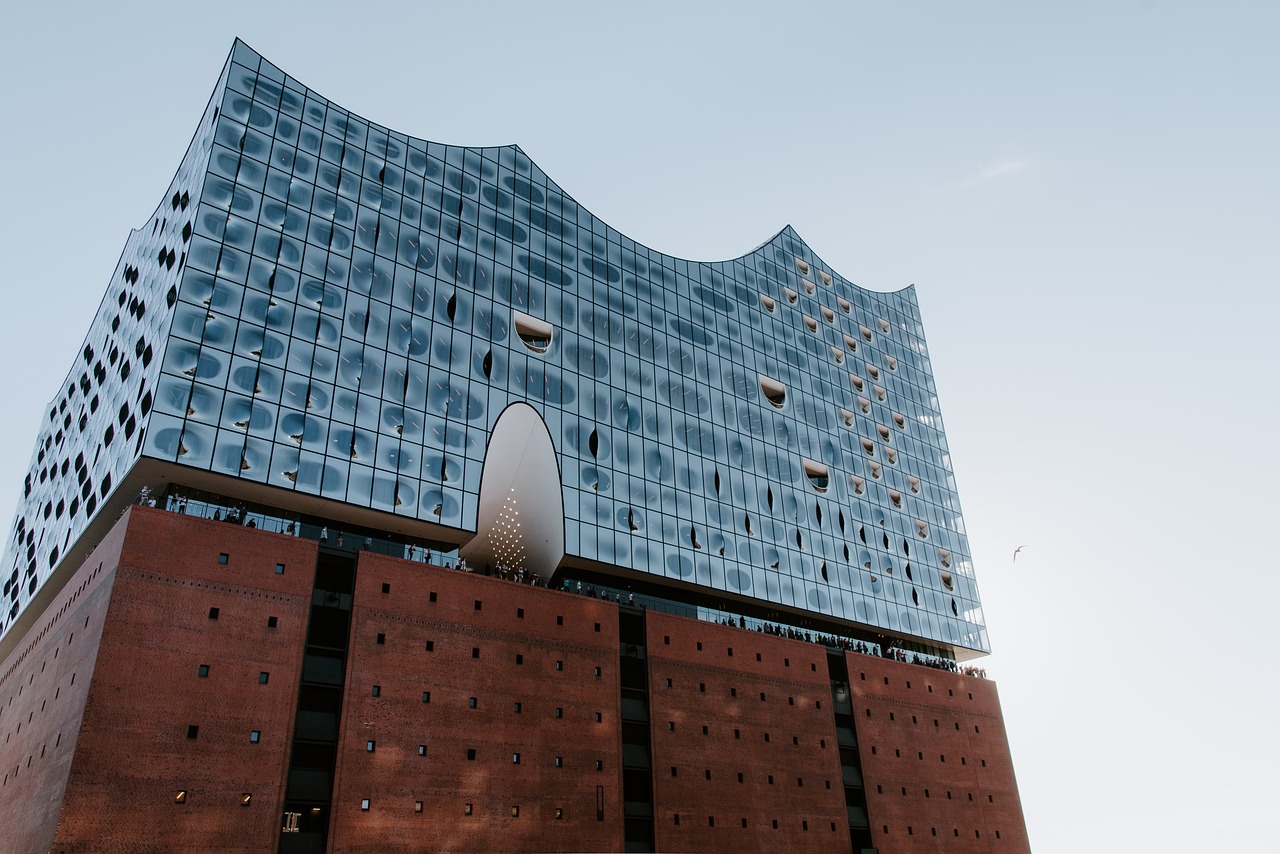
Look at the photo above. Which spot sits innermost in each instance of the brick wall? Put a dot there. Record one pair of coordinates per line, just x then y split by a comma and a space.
461, 636
44, 684
136, 750
935, 758
743, 731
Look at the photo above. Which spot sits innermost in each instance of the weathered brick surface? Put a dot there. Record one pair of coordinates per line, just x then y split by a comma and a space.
134, 752
939, 737
94, 765
44, 684
555, 627
788, 737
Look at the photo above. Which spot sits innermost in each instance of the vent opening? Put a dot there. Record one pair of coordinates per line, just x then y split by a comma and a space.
818, 474
773, 391
535, 334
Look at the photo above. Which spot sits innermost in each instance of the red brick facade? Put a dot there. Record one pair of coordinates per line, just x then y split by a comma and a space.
542, 669
477, 715
935, 758
744, 742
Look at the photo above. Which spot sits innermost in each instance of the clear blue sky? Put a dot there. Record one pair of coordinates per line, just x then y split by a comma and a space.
1086, 194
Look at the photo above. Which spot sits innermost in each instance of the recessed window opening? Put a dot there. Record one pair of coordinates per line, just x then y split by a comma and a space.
899, 420
856, 381
847, 416
891, 455
768, 302
875, 470
844, 304
884, 324
810, 323
838, 355
896, 498
819, 475
534, 333
947, 581
802, 266
774, 391
945, 556
873, 371
828, 314
858, 484
869, 446
883, 431
866, 333
792, 296
880, 393
922, 528
826, 277
809, 286
891, 363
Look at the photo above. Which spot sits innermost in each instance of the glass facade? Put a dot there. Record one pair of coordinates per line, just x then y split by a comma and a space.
327, 306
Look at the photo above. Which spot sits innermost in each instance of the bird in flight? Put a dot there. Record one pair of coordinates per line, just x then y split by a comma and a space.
1015, 553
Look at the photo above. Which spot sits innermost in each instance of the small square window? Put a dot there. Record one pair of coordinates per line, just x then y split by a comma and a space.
559, 712
786, 662
597, 627
193, 731
517, 708
733, 692
515, 759
737, 733
711, 821
730, 652
671, 726
766, 737
515, 812
559, 814
668, 681
519, 613
775, 824
203, 671
377, 690
770, 779
757, 659
472, 703
791, 701
699, 646
477, 604
762, 696
417, 806
704, 729
431, 646
666, 639
597, 672
559, 665
739, 776
382, 638
180, 796
475, 652
744, 822
272, 622
708, 773
795, 740
364, 804
255, 736
599, 764
386, 588
369, 746
431, 597
263, 677
279, 569
223, 558
213, 613
471, 754
466, 809
702, 687
599, 717
422, 750
559, 619
559, 761
676, 818
246, 798
426, 696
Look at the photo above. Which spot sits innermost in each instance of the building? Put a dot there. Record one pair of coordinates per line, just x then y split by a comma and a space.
716, 559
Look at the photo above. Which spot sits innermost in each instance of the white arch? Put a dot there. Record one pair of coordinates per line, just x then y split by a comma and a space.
521, 507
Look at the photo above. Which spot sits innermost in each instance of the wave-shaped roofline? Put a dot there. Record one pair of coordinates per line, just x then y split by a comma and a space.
773, 240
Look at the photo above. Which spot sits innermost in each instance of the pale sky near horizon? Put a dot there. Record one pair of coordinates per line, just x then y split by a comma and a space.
1087, 196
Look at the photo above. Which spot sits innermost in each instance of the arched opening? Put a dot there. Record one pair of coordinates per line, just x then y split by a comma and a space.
520, 518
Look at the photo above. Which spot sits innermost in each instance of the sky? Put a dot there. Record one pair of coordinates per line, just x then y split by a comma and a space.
1086, 195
